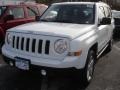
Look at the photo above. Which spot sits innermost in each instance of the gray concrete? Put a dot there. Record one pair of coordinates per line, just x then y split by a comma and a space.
106, 76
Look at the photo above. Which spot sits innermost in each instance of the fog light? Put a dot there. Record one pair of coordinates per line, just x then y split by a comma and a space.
43, 72
11, 63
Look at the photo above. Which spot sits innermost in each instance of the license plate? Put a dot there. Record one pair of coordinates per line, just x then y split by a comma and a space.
22, 64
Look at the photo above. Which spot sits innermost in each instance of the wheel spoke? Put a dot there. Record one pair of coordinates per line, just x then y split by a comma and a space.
90, 68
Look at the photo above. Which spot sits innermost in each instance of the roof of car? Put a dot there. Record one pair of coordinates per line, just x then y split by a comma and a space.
22, 4
65, 3
75, 3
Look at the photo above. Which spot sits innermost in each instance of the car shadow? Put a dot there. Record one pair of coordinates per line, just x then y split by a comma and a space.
14, 79
65, 82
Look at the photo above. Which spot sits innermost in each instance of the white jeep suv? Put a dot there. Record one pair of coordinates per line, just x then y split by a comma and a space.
69, 35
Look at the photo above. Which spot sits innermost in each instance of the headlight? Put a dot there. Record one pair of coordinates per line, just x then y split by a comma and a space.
9, 38
60, 46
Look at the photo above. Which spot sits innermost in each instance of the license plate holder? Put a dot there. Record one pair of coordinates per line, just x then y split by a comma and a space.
23, 64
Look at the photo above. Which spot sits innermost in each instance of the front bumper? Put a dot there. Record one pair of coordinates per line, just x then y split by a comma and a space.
68, 62
49, 70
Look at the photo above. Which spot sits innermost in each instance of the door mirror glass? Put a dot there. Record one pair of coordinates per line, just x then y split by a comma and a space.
105, 21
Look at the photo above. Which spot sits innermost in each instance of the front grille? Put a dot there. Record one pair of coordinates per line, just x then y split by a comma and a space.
31, 45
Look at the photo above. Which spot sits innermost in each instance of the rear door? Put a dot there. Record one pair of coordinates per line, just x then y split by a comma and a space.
19, 16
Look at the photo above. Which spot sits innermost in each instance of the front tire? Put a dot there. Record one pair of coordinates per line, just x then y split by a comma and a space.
87, 73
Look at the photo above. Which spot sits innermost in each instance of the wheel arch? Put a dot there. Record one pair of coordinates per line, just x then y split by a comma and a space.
94, 47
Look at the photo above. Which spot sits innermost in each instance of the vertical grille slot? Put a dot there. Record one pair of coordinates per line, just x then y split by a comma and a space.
13, 41
40, 46
22, 43
27, 44
47, 46
17, 43
33, 45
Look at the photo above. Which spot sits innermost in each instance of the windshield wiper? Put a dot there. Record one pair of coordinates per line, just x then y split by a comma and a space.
60, 21
44, 20
63, 21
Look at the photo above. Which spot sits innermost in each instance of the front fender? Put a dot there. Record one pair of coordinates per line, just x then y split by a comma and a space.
84, 43
2, 34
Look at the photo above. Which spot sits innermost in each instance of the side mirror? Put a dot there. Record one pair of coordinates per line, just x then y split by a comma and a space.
8, 18
37, 18
105, 21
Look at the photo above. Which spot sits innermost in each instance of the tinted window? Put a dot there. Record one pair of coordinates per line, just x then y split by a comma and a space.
32, 11
17, 12
42, 9
101, 12
110, 13
2, 9
80, 14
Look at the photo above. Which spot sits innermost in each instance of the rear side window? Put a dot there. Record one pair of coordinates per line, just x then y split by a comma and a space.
101, 12
107, 12
32, 11
110, 13
17, 12
42, 9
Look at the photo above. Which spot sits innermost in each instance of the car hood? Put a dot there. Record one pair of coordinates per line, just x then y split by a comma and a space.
54, 29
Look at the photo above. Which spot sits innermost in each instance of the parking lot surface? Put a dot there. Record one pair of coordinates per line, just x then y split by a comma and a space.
106, 76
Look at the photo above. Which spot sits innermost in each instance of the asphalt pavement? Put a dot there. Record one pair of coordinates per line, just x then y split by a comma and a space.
106, 76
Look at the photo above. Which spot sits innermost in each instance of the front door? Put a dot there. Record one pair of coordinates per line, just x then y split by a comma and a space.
19, 17
102, 29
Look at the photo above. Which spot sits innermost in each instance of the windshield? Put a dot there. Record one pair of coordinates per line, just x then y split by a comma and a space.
80, 14
116, 14
2, 9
